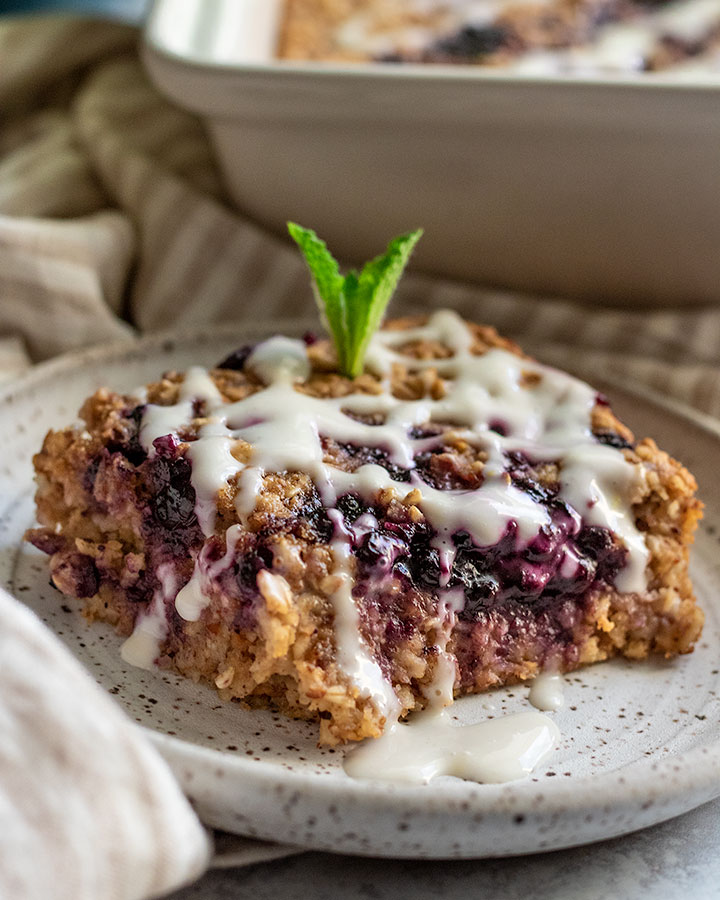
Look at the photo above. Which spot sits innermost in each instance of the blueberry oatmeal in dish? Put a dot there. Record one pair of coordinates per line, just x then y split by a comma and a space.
535, 36
346, 534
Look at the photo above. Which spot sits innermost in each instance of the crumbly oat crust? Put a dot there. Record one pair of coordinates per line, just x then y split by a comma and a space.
108, 517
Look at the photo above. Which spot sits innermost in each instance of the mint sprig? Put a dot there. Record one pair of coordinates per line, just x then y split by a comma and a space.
352, 307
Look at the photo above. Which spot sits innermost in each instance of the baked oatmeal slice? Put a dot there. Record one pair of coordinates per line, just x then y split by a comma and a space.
329, 545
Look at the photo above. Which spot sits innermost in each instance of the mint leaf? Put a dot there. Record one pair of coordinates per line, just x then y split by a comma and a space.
376, 286
352, 307
327, 281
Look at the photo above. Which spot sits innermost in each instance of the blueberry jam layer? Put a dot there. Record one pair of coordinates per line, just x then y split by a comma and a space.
399, 566
400, 569
398, 558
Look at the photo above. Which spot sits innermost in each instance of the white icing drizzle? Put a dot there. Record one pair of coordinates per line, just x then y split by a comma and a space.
279, 359
546, 691
491, 752
352, 653
142, 647
546, 414
597, 488
248, 487
162, 420
159, 421
213, 465
689, 20
624, 46
192, 599
430, 743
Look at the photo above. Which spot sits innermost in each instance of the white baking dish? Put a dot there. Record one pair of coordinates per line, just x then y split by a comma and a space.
604, 189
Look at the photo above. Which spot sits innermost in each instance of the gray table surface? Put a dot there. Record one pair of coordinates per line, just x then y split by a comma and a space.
677, 859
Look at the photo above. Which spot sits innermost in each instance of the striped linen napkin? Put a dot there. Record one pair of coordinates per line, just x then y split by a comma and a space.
112, 221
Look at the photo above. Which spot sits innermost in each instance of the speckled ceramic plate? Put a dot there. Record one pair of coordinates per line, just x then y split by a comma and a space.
640, 742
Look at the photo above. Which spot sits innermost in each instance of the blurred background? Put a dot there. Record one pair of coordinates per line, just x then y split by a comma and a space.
128, 10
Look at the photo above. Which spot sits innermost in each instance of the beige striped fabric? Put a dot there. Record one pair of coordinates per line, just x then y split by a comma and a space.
113, 220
